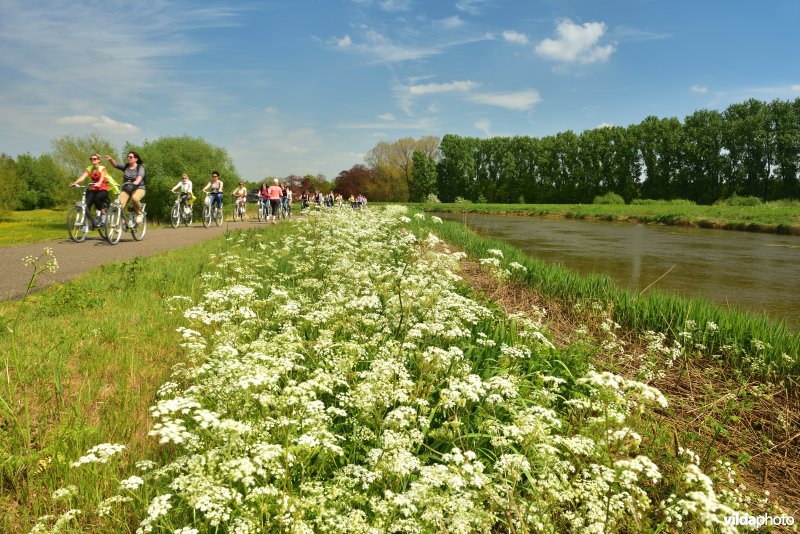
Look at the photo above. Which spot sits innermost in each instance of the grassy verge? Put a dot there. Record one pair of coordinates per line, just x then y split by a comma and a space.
774, 217
81, 364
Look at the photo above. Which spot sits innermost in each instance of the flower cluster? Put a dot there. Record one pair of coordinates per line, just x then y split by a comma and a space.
362, 390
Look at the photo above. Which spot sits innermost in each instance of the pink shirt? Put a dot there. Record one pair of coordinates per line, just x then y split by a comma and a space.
274, 192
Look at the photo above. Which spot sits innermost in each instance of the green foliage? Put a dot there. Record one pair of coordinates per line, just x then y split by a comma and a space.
422, 182
481, 199
657, 202
608, 198
10, 183
736, 200
42, 183
750, 149
73, 152
433, 199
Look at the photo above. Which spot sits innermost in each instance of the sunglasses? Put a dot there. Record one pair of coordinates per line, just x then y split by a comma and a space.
94, 159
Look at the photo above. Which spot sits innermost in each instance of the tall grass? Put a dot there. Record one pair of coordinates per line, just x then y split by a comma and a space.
752, 345
83, 362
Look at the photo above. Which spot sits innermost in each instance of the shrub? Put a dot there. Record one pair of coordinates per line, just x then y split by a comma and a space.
462, 200
663, 202
609, 198
736, 200
482, 199
432, 199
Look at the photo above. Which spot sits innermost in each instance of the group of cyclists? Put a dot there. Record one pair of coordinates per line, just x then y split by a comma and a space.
277, 196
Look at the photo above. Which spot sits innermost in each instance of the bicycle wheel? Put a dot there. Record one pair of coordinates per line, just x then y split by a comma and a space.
206, 216
175, 215
218, 217
260, 212
101, 228
114, 225
139, 229
77, 226
187, 217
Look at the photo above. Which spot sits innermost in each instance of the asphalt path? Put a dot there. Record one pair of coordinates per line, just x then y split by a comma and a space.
76, 258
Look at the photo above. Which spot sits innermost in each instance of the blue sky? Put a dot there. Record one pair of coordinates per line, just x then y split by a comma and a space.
309, 86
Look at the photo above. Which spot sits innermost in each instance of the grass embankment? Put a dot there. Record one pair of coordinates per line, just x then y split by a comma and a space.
345, 379
782, 217
82, 368
754, 346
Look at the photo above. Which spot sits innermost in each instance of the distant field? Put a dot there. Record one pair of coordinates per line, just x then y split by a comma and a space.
19, 227
773, 217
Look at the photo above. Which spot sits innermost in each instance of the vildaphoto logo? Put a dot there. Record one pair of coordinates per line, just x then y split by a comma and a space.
758, 521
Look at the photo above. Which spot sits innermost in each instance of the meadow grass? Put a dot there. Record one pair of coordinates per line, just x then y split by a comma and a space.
81, 364
332, 376
782, 217
340, 378
21, 227
752, 345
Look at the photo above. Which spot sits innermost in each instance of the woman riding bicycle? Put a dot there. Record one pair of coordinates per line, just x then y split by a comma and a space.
134, 184
187, 196
97, 194
214, 190
241, 196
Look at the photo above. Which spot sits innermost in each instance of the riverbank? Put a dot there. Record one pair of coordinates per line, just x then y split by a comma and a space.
781, 217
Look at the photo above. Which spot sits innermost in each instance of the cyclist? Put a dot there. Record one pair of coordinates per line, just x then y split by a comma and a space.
97, 193
135, 182
284, 197
263, 196
187, 196
274, 192
214, 188
289, 197
241, 196
303, 200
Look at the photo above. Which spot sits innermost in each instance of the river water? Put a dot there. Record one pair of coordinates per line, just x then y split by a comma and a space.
753, 271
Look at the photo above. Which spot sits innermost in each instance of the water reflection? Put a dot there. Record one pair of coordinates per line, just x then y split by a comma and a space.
758, 272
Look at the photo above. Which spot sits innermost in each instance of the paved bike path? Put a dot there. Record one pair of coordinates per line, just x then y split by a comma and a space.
76, 258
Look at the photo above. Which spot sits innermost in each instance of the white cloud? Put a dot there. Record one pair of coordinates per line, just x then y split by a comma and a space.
795, 87
450, 22
344, 41
463, 85
699, 89
271, 110
518, 101
515, 37
603, 125
473, 7
576, 43
485, 126
386, 117
103, 122
395, 5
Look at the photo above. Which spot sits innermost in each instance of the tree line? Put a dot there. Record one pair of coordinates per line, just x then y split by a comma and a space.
749, 149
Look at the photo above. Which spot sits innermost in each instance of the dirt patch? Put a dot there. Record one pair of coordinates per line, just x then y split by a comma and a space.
755, 426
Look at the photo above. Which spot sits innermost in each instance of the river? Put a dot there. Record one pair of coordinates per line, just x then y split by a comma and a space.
752, 271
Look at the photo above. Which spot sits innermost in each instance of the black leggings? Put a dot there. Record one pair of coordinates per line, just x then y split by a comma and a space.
97, 197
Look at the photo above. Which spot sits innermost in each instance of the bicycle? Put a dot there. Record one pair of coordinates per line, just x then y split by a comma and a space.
211, 214
239, 208
181, 212
263, 209
80, 222
117, 222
